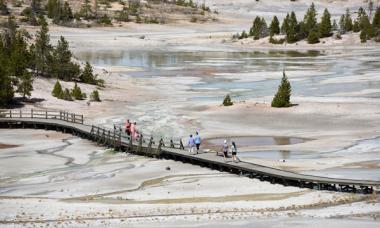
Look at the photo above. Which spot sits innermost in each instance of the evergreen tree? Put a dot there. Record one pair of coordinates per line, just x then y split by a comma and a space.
57, 91
123, 15
310, 20
356, 26
87, 75
42, 47
62, 67
285, 24
363, 24
363, 36
348, 26
376, 19
313, 37
86, 10
6, 89
335, 26
274, 27
25, 85
259, 28
95, 96
36, 6
66, 95
342, 28
325, 27
243, 35
19, 58
291, 31
282, 97
51, 8
227, 101
3, 8
76, 93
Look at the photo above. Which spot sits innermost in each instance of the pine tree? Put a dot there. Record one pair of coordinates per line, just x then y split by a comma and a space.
310, 20
227, 101
363, 36
376, 19
356, 26
3, 8
25, 85
259, 28
282, 97
342, 28
89, 77
123, 15
95, 96
66, 95
335, 26
325, 27
36, 6
285, 24
313, 37
57, 91
43, 47
76, 93
86, 9
62, 67
6, 88
274, 27
243, 35
291, 31
348, 26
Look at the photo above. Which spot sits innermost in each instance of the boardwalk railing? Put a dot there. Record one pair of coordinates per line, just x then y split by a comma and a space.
170, 149
41, 114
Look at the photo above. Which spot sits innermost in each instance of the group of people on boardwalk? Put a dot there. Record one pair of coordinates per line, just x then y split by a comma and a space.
194, 143
225, 150
131, 130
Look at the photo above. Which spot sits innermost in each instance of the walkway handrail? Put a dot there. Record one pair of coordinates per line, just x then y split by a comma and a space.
118, 139
41, 114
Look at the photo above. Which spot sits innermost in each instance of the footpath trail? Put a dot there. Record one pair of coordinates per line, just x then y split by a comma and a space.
172, 149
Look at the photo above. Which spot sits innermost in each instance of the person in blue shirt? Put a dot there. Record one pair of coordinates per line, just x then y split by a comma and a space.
197, 141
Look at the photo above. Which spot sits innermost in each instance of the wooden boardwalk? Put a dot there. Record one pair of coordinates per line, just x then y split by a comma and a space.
173, 149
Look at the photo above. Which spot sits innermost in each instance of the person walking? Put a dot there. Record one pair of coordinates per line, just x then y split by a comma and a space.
197, 141
234, 152
191, 144
225, 150
128, 127
133, 131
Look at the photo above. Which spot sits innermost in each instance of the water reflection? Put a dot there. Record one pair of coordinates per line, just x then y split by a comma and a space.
254, 74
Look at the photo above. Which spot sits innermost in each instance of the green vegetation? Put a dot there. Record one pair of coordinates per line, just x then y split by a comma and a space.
89, 77
61, 65
57, 91
14, 61
274, 28
105, 20
3, 8
325, 28
21, 59
95, 96
227, 101
77, 94
282, 97
310, 29
58, 11
259, 28
313, 37
67, 95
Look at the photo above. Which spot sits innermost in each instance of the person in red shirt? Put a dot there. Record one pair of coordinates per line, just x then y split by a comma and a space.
128, 127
